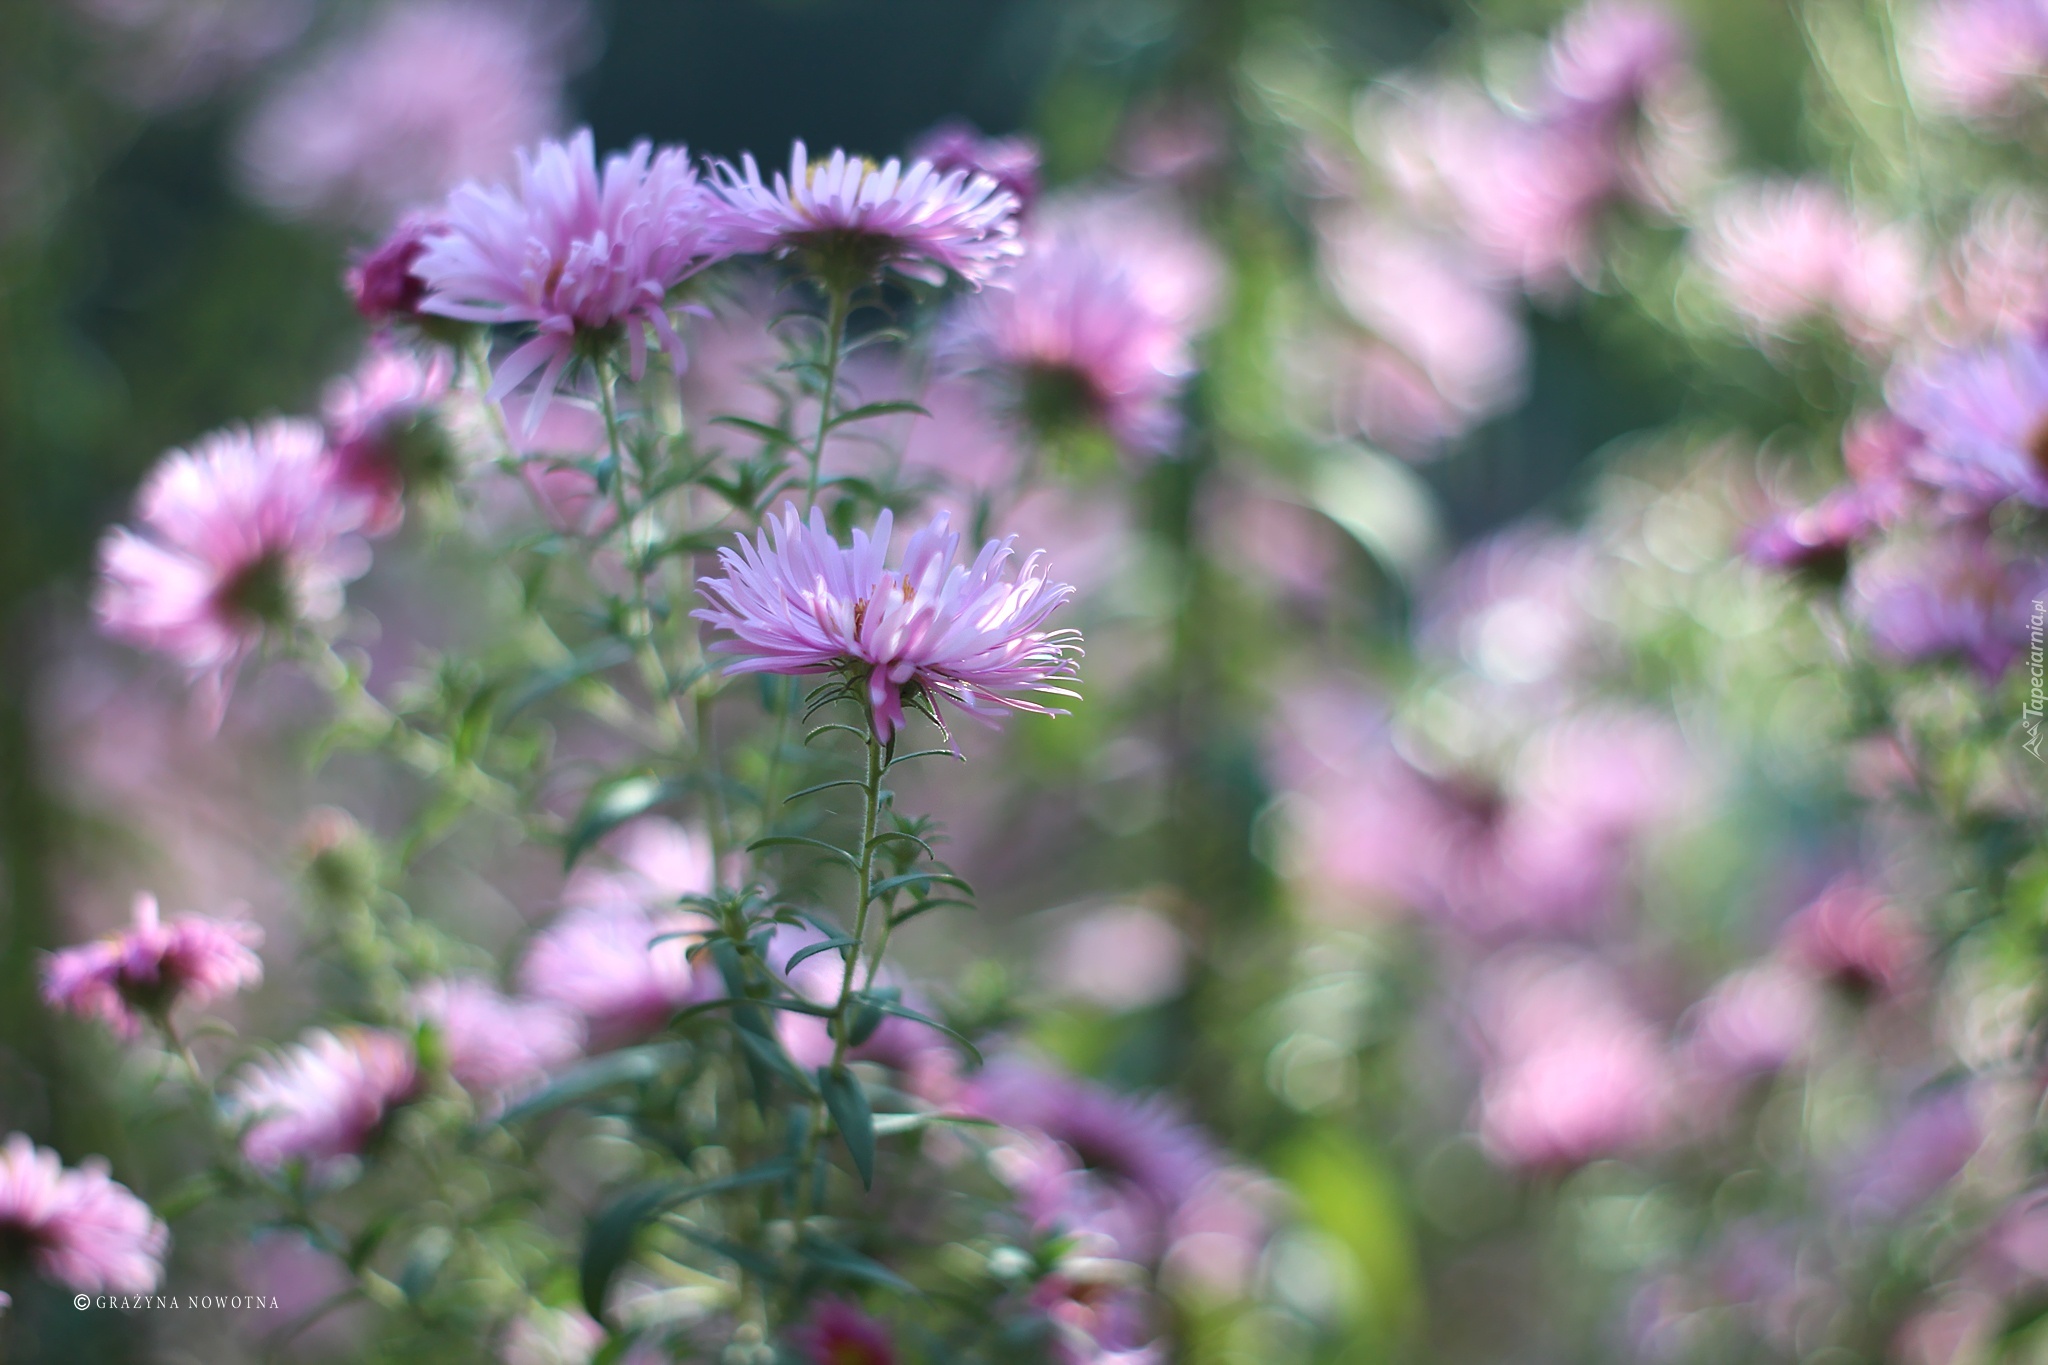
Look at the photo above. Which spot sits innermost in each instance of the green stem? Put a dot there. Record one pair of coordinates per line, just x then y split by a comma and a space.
871, 814
654, 670
835, 347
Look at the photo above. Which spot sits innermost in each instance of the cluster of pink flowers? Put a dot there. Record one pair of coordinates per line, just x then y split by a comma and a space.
796, 601
78, 1227
133, 977
1981, 59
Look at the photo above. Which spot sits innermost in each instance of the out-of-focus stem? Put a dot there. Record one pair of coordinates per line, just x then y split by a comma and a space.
835, 347
654, 671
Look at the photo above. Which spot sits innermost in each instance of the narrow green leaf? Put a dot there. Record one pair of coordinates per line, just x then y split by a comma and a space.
633, 1066
774, 436
903, 1011
823, 787
867, 410
784, 840
904, 916
833, 725
888, 884
849, 1107
928, 753
845, 1261
889, 834
610, 805
595, 658
803, 954
609, 1240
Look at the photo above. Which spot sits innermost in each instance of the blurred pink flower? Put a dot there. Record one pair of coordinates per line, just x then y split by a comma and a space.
1518, 607
1607, 56
648, 864
917, 220
1949, 593
78, 1227
795, 601
1818, 538
496, 1046
602, 961
1417, 297
285, 1265
1753, 1022
1573, 1073
839, 1333
153, 967
373, 419
321, 1099
385, 283
1072, 337
1012, 162
925, 1062
426, 94
246, 531
573, 252
1982, 418
1116, 1169
1994, 281
1852, 936
1979, 58
1120, 958
1784, 253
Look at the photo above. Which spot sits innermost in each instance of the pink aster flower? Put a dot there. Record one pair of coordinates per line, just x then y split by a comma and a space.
79, 1227
1982, 416
386, 284
152, 967
496, 1046
1877, 450
377, 432
1783, 254
1980, 58
1608, 55
839, 1333
795, 601
917, 220
1953, 593
246, 531
1119, 1170
1994, 281
1012, 162
1071, 339
1574, 1074
323, 1098
1754, 1022
425, 95
1419, 298
603, 962
1852, 936
573, 252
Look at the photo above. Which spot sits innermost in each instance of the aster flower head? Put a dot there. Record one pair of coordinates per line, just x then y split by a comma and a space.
603, 962
1982, 417
1071, 339
579, 254
839, 1333
1115, 1169
380, 437
1954, 593
854, 218
795, 601
1783, 254
143, 972
1012, 162
322, 1099
495, 1045
247, 531
1608, 55
385, 284
1852, 936
78, 1227
1979, 58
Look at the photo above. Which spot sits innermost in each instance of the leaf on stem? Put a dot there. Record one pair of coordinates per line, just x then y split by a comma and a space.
848, 1104
803, 954
609, 1241
868, 410
610, 805
781, 840
633, 1066
888, 884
